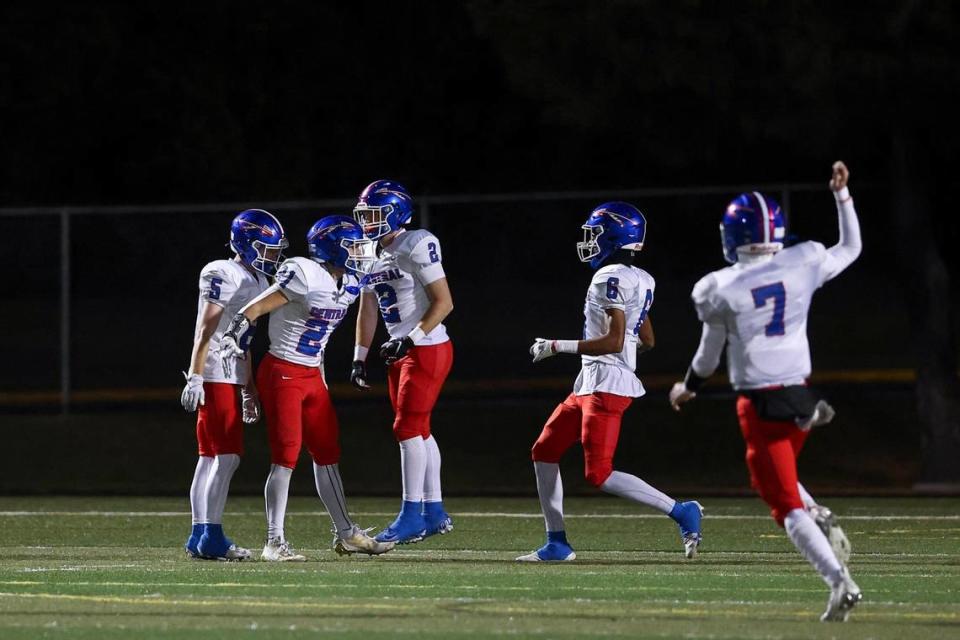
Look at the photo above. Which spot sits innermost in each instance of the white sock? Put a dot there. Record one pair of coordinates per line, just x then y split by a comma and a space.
550, 490
198, 490
633, 488
275, 494
810, 541
805, 496
330, 488
431, 476
413, 463
218, 485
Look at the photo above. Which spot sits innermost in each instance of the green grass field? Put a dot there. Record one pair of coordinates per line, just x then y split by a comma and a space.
113, 568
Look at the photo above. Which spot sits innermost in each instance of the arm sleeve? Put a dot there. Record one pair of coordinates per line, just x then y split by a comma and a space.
841, 255
705, 300
707, 358
606, 292
426, 260
292, 281
216, 286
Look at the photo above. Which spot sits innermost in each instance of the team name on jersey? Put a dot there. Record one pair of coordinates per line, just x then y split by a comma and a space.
317, 313
384, 276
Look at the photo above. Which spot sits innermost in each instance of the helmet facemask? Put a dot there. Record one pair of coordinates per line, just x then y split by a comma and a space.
361, 254
375, 221
590, 247
269, 256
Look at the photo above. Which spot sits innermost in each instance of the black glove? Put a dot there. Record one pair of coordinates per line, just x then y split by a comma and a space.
393, 350
358, 375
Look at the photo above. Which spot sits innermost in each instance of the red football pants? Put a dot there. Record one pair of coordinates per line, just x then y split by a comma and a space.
772, 450
415, 381
298, 409
594, 420
219, 420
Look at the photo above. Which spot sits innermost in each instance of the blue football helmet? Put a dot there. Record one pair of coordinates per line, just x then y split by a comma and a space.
384, 206
611, 226
752, 223
258, 238
339, 241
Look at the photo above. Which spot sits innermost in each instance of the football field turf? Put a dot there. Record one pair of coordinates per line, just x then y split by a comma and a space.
114, 568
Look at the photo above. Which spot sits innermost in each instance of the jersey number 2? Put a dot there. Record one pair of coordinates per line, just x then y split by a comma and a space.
779, 295
387, 299
309, 344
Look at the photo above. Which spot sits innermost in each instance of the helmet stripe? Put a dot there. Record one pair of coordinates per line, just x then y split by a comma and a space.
766, 221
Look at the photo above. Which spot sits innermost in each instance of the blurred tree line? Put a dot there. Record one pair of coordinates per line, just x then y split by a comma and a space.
111, 102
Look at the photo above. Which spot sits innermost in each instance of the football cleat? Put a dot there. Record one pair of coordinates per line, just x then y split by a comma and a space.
687, 515
838, 539
557, 549
359, 541
409, 526
214, 545
844, 596
438, 520
191, 544
279, 550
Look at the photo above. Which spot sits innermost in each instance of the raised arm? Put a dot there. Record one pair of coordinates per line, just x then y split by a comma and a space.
841, 255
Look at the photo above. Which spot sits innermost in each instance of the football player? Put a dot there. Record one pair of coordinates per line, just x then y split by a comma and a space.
308, 301
617, 327
257, 239
758, 308
409, 286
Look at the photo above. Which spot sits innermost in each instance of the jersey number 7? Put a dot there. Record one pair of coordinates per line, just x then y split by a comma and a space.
779, 294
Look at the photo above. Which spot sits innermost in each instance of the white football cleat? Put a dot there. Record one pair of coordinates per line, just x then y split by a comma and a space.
828, 524
232, 554
279, 550
358, 541
844, 596
823, 413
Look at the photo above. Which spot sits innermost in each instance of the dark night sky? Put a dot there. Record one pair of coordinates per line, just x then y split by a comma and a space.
115, 102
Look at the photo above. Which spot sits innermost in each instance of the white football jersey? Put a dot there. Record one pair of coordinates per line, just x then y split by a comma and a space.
763, 307
300, 329
399, 278
230, 285
630, 289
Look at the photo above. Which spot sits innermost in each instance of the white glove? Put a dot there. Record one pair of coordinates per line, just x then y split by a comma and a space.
192, 394
229, 352
251, 405
680, 394
543, 349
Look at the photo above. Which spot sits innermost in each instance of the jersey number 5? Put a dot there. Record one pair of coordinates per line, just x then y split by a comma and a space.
779, 295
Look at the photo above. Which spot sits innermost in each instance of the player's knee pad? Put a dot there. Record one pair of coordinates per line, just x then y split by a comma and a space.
544, 451
328, 456
285, 457
781, 503
597, 473
410, 424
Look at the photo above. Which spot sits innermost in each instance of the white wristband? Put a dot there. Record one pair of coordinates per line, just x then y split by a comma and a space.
843, 195
565, 346
360, 353
417, 334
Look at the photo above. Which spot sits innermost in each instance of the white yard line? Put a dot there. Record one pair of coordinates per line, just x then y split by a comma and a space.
463, 514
